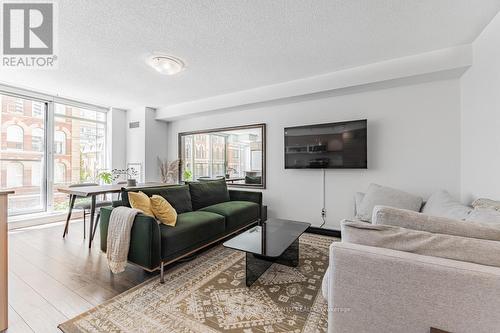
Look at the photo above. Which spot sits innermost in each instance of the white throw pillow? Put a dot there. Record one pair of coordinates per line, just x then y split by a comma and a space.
485, 215
442, 204
358, 199
486, 203
385, 196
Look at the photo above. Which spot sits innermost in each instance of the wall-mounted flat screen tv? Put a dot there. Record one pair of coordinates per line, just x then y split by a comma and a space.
341, 145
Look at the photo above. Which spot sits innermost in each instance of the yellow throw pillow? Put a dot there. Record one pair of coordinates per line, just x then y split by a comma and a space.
163, 210
141, 201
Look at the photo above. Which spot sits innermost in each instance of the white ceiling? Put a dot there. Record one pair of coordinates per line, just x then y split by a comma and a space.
235, 45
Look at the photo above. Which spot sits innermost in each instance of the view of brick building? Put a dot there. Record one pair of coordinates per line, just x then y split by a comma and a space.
78, 144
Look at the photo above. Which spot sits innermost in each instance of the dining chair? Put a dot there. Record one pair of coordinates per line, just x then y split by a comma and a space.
85, 206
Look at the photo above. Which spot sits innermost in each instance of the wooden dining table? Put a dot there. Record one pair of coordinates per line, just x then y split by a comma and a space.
93, 191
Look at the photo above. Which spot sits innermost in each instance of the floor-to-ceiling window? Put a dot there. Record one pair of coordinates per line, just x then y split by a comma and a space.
79, 148
22, 155
44, 145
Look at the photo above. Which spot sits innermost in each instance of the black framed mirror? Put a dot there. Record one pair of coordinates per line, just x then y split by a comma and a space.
237, 154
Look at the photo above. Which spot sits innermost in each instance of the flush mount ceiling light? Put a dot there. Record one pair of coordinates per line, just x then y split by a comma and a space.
165, 64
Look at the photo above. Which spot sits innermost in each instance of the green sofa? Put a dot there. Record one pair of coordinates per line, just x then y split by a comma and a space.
207, 212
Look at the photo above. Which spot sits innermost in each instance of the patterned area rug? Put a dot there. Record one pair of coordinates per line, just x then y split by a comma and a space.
208, 294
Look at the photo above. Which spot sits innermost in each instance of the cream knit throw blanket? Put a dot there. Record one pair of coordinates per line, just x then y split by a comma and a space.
120, 224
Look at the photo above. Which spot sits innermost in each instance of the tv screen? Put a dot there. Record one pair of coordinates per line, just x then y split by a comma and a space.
341, 145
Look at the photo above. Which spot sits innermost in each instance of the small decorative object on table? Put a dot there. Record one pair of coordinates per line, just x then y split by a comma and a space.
129, 173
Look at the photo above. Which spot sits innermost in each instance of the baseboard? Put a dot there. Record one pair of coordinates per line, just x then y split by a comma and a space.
324, 232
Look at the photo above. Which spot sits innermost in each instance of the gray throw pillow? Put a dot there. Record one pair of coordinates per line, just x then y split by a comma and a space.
385, 196
479, 251
442, 204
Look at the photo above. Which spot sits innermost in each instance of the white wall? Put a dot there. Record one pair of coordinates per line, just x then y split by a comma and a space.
156, 144
147, 142
136, 137
117, 138
481, 117
414, 144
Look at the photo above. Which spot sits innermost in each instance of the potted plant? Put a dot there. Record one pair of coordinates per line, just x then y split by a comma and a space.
105, 177
129, 173
187, 175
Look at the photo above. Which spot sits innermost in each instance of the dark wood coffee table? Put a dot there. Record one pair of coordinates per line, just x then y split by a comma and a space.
275, 241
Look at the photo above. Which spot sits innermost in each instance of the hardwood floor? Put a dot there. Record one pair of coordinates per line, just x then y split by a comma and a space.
52, 279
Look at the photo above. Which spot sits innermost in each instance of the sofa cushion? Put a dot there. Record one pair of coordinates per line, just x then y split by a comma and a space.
208, 193
441, 225
177, 195
386, 196
479, 251
237, 213
191, 229
442, 204
325, 284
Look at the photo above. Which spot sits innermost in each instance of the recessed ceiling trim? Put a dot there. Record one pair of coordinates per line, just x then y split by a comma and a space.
438, 61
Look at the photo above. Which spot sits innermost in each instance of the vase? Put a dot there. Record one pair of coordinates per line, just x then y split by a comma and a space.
131, 182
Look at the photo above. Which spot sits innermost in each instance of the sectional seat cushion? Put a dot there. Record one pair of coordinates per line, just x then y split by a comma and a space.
177, 195
442, 204
208, 193
237, 213
386, 196
479, 251
191, 230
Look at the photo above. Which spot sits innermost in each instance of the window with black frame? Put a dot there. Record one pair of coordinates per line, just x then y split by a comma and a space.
234, 153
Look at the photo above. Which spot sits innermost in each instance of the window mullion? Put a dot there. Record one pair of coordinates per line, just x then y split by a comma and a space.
49, 153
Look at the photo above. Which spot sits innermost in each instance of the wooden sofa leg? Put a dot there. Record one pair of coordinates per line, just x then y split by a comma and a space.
162, 273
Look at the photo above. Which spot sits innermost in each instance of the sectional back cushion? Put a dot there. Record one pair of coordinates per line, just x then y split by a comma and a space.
442, 204
177, 195
386, 196
479, 251
439, 225
208, 193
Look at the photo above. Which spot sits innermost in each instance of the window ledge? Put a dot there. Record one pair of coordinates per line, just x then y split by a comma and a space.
30, 220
